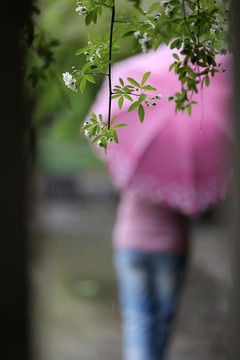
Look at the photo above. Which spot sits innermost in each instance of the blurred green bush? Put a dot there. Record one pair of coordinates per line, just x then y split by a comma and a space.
57, 112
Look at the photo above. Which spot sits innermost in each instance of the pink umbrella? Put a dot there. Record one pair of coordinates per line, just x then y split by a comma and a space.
177, 160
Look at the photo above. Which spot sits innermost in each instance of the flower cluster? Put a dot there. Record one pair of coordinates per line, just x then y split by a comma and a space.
88, 134
144, 40
70, 81
169, 8
157, 97
98, 129
81, 10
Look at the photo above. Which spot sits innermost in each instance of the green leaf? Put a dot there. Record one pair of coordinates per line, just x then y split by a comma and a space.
85, 127
93, 116
100, 117
142, 97
175, 3
94, 16
113, 119
90, 78
85, 67
133, 106
99, 10
189, 110
149, 88
97, 138
127, 34
139, 10
176, 56
141, 113
128, 97
121, 81
88, 19
115, 137
174, 44
80, 51
154, 7
171, 66
83, 85
156, 43
134, 82
90, 39
165, 38
116, 96
145, 77
104, 142
135, 45
191, 5
207, 80
119, 126
128, 88
95, 122
120, 102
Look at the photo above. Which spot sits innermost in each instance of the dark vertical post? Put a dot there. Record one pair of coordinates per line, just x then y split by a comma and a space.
236, 198
13, 254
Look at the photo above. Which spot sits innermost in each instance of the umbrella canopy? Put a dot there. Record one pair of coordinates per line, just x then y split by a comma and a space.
177, 160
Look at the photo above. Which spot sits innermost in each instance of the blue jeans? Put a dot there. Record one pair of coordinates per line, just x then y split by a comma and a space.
149, 285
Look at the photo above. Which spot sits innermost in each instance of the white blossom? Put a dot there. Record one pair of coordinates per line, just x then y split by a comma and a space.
99, 144
168, 10
164, 3
159, 96
87, 133
98, 52
150, 23
70, 81
145, 42
137, 34
81, 10
92, 58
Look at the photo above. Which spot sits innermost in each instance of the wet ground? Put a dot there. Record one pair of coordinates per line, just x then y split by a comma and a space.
75, 308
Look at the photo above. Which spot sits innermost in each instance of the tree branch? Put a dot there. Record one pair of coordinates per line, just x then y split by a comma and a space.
110, 66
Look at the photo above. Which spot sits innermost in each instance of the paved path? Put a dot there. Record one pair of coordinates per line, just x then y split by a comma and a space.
76, 316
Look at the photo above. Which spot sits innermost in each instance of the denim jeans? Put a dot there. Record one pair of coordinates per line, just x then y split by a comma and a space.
149, 285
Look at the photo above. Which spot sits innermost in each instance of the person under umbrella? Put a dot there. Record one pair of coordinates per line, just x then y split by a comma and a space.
167, 170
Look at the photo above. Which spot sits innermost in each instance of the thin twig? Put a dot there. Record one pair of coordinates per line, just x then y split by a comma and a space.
123, 21
99, 3
110, 65
185, 19
94, 73
125, 93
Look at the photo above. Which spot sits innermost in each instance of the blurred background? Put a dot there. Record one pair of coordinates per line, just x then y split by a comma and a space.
72, 205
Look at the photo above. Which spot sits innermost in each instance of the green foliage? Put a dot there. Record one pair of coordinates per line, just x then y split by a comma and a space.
98, 129
196, 28
134, 89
